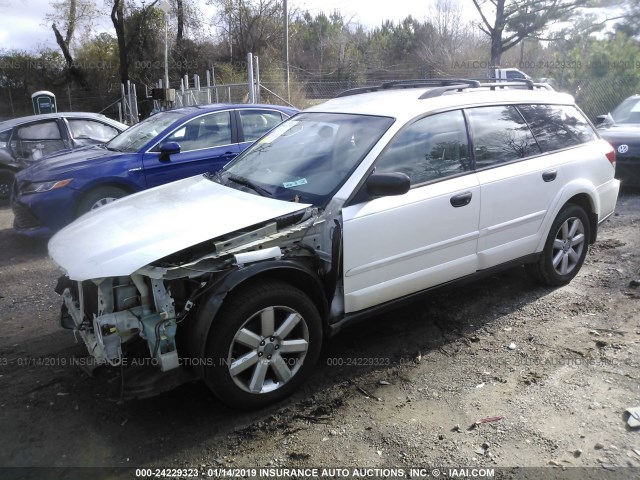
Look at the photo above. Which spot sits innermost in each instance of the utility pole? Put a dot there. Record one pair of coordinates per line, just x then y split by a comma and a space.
229, 11
285, 29
166, 8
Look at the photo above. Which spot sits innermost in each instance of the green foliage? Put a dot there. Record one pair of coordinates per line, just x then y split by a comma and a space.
607, 71
98, 58
28, 71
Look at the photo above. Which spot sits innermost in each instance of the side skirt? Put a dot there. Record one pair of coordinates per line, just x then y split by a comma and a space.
352, 318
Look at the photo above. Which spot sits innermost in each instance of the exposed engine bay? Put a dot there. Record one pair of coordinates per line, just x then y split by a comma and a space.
148, 314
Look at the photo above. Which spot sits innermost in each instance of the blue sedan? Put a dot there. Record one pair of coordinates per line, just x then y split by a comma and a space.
168, 146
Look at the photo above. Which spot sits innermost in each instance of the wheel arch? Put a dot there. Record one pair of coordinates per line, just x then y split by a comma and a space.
294, 273
88, 191
586, 202
579, 192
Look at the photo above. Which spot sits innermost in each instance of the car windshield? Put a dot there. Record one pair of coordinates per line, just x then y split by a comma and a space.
308, 157
628, 111
136, 137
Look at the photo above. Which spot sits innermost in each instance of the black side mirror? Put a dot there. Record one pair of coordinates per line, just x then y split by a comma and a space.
168, 149
387, 184
600, 119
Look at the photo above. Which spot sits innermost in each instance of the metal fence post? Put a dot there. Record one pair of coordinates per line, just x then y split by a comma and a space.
213, 79
257, 86
252, 92
123, 105
134, 105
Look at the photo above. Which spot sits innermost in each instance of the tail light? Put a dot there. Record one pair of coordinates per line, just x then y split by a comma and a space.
611, 156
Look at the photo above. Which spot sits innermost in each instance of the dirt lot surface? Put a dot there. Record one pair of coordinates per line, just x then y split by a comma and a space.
402, 390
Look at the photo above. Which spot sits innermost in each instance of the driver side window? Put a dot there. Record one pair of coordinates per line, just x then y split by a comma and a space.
431, 148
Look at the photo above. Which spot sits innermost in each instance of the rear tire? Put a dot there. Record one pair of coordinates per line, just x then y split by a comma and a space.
99, 197
262, 345
565, 249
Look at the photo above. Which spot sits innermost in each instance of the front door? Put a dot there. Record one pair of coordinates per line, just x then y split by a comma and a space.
206, 145
395, 246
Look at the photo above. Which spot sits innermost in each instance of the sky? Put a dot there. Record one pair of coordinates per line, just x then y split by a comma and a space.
22, 21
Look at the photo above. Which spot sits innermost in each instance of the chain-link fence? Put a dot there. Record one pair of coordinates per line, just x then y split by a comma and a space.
17, 103
600, 96
594, 96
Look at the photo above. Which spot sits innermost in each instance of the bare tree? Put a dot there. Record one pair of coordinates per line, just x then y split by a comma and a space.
250, 25
188, 17
71, 15
118, 19
508, 22
448, 37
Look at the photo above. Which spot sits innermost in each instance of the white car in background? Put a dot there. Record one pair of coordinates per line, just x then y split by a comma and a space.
25, 140
346, 209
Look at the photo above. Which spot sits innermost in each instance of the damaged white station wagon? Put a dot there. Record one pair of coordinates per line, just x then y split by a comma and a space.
338, 213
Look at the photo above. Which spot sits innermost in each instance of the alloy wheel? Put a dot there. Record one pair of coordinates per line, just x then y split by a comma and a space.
568, 246
268, 349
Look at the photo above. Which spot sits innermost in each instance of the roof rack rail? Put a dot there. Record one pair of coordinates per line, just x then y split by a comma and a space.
440, 86
492, 85
418, 83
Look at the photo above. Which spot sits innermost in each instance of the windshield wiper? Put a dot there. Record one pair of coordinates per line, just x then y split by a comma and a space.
247, 183
214, 176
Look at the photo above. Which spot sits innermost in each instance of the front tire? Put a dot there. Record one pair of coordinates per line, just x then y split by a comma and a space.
565, 249
100, 197
262, 345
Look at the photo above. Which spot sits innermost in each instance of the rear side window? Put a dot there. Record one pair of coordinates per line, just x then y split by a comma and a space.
431, 148
208, 131
40, 131
557, 126
512, 74
256, 123
37, 140
500, 135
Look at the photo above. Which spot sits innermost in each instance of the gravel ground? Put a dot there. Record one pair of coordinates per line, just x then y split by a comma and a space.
551, 371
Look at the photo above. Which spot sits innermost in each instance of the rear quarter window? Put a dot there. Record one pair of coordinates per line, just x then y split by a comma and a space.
557, 126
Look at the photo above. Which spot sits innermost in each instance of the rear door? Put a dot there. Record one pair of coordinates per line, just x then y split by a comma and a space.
517, 184
395, 246
32, 141
207, 143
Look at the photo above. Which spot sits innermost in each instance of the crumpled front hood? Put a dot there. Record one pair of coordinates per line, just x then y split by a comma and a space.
126, 235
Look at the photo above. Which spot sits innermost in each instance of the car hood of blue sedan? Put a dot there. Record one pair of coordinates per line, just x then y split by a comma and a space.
128, 234
53, 166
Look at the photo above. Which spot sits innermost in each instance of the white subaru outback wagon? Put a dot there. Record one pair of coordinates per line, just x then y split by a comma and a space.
344, 210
